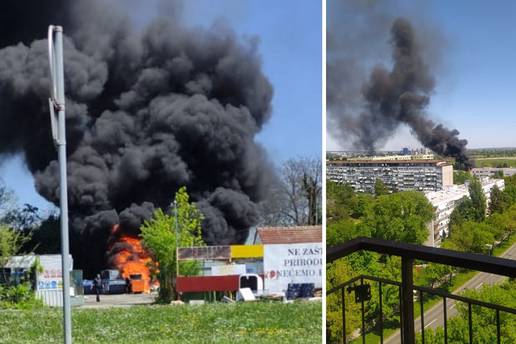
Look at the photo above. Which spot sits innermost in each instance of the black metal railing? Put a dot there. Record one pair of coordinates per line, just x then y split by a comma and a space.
409, 253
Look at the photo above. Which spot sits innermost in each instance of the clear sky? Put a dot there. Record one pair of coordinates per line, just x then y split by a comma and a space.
476, 86
290, 45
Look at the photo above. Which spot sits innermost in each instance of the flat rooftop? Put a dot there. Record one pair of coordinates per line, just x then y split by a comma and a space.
391, 162
449, 193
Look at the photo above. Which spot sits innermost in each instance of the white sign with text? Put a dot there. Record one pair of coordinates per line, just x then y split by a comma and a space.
292, 263
225, 270
51, 278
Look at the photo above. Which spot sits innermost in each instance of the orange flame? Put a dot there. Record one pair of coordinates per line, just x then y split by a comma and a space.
132, 260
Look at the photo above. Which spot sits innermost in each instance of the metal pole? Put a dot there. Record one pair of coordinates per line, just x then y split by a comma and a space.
175, 222
177, 240
59, 105
363, 315
407, 300
343, 295
381, 310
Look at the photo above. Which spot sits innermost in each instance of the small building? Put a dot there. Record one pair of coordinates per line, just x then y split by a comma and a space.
48, 283
278, 255
490, 172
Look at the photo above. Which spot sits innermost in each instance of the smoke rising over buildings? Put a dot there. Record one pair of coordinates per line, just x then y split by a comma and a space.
371, 109
147, 111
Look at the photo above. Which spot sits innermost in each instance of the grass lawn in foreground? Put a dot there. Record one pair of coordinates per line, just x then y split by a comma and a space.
211, 323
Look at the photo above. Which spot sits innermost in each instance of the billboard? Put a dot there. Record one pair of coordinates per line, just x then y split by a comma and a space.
229, 269
204, 252
292, 263
51, 278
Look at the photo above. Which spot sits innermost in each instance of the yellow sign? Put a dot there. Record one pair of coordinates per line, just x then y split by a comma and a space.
246, 251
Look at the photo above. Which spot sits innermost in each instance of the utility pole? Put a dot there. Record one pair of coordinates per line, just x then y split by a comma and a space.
57, 103
177, 236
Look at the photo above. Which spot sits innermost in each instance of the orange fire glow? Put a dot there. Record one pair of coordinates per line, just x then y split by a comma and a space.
132, 260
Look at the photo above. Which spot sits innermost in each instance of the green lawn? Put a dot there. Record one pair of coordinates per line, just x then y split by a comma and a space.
211, 323
374, 338
495, 162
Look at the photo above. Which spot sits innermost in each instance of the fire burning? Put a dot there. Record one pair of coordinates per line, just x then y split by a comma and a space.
149, 109
130, 258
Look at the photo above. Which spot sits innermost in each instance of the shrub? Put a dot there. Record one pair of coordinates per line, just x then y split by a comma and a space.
18, 297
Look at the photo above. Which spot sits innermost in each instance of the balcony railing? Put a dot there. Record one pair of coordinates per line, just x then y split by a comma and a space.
407, 289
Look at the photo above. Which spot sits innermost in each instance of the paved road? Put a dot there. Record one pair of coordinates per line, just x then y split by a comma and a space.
434, 317
119, 300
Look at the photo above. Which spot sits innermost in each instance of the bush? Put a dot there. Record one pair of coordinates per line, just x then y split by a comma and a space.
18, 297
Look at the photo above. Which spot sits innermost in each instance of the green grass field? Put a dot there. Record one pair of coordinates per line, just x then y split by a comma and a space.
211, 323
496, 162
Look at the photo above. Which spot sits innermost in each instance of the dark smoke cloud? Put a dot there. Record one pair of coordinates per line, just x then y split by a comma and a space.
147, 111
373, 110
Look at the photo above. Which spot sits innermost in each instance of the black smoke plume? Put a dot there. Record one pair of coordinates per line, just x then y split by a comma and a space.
147, 111
390, 98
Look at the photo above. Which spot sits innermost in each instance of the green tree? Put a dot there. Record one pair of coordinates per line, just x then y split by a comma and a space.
510, 189
484, 319
463, 212
379, 188
11, 242
160, 237
44, 238
499, 200
23, 218
472, 236
337, 273
503, 224
401, 216
436, 274
342, 231
460, 177
340, 201
478, 200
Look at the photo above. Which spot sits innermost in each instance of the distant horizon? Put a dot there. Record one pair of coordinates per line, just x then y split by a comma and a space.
394, 150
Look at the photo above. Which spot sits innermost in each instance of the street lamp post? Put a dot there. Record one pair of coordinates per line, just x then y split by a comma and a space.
177, 236
57, 104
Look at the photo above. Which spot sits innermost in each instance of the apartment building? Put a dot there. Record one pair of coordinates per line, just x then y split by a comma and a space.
445, 201
482, 172
397, 175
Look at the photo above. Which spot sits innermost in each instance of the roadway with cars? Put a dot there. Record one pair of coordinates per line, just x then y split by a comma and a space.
434, 317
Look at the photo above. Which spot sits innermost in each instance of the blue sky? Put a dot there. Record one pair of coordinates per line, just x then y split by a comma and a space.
476, 85
290, 45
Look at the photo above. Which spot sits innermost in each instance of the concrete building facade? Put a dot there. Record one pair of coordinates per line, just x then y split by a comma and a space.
397, 175
445, 201
482, 172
